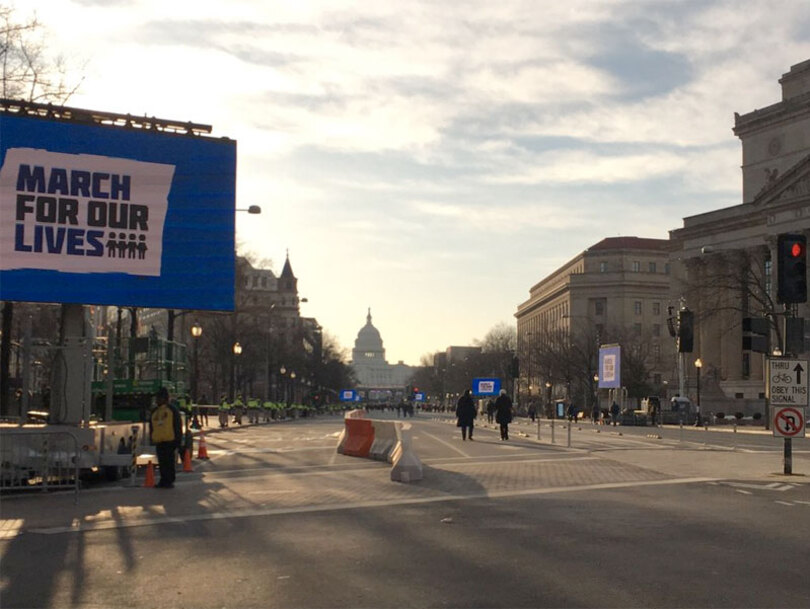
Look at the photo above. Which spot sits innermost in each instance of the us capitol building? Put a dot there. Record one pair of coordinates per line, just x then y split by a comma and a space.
377, 380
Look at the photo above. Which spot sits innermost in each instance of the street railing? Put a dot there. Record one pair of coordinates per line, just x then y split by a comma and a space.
38, 459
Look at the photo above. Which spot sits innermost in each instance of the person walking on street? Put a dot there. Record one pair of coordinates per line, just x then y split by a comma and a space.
465, 413
503, 413
166, 432
595, 414
614, 413
490, 411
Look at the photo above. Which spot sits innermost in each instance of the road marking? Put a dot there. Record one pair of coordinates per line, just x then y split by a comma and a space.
773, 486
455, 448
784, 503
739, 490
80, 527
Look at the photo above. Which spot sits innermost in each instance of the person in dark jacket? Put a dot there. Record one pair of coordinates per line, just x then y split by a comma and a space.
465, 413
167, 435
503, 413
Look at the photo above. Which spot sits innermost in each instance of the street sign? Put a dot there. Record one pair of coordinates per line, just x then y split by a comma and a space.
788, 422
787, 382
419, 397
348, 395
486, 386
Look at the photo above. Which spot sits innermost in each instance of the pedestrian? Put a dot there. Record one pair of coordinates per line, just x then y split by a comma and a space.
166, 433
503, 413
614, 413
572, 413
465, 413
490, 411
224, 407
654, 414
595, 414
532, 411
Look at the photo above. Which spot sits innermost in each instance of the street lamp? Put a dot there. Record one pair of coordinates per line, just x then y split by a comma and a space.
236, 350
253, 209
196, 332
549, 409
292, 387
698, 366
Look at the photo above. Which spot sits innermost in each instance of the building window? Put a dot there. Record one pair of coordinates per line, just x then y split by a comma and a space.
636, 266
746, 365
603, 267
768, 269
369, 354
656, 308
652, 267
637, 307
656, 351
264, 282
666, 268
637, 329
656, 329
599, 307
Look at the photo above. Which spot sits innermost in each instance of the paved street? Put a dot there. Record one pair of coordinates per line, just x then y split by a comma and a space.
277, 518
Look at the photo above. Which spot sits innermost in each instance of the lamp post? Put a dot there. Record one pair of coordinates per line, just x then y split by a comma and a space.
698, 366
236, 350
267, 353
196, 332
549, 409
283, 371
292, 387
596, 410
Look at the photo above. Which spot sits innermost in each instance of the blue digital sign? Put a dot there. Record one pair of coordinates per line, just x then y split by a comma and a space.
349, 395
486, 386
95, 214
610, 367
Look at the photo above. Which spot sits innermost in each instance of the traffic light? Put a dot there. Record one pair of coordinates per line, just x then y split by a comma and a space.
514, 367
791, 251
686, 331
756, 334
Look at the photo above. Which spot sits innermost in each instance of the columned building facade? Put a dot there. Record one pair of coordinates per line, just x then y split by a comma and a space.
378, 381
725, 261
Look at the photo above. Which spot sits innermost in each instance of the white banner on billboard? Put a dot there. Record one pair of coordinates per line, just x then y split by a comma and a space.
82, 213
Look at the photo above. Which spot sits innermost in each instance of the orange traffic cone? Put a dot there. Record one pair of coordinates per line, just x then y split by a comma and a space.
187, 461
202, 452
149, 481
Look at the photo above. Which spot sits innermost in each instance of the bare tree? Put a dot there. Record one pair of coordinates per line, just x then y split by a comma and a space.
27, 70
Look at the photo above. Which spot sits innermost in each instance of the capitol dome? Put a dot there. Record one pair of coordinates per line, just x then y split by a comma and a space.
368, 338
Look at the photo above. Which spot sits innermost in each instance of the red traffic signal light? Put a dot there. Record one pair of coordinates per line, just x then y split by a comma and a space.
791, 252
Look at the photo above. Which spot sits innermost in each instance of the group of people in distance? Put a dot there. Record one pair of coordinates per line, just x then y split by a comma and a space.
466, 414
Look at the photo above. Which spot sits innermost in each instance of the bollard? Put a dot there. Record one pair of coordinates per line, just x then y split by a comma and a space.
734, 443
538, 429
552, 431
569, 434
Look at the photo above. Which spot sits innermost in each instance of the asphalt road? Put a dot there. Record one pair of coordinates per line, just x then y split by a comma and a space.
277, 519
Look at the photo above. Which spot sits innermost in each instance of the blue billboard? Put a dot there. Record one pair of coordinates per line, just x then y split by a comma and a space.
349, 395
95, 214
610, 367
486, 386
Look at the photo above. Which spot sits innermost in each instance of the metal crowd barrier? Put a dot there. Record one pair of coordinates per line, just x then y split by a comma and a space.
39, 459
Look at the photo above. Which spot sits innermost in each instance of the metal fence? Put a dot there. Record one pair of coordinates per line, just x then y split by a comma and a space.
32, 459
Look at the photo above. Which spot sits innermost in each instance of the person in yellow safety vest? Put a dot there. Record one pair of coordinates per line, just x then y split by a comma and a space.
268, 410
238, 409
253, 410
224, 407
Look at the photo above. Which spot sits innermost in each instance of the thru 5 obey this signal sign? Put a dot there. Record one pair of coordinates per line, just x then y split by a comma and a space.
787, 382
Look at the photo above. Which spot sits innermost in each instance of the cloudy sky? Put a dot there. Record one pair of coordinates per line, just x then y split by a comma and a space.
434, 160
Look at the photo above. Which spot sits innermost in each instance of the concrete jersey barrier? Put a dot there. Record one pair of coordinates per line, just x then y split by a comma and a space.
389, 441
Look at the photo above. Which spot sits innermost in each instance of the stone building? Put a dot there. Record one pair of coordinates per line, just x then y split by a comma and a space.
617, 290
724, 261
377, 379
